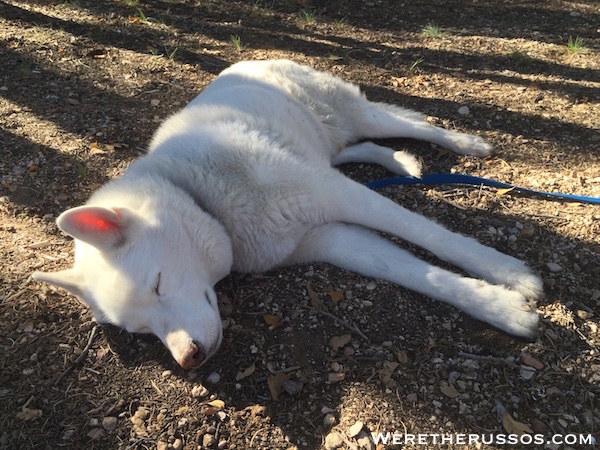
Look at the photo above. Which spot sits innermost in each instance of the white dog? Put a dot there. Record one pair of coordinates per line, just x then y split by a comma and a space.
241, 180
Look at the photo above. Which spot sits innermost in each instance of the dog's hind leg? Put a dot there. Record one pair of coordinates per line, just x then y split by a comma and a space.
380, 120
351, 202
400, 162
359, 250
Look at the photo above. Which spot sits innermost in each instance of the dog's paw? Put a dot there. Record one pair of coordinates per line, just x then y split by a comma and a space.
406, 164
506, 309
528, 284
467, 144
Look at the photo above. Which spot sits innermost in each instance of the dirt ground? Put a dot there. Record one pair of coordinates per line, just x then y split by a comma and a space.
83, 85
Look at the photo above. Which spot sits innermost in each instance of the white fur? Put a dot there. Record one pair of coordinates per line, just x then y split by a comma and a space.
241, 179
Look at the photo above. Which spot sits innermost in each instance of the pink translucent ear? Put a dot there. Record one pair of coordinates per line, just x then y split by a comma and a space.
104, 228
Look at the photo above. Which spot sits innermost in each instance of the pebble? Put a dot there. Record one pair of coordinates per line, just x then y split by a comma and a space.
527, 372
177, 444
199, 391
222, 444
333, 440
371, 286
109, 423
356, 428
162, 445
213, 378
292, 387
222, 416
208, 440
412, 398
364, 441
96, 433
553, 267
329, 420
464, 111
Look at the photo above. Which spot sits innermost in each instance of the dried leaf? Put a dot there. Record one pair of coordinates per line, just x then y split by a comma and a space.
276, 384
504, 191
217, 404
315, 301
449, 391
336, 296
338, 342
29, 414
246, 372
513, 427
274, 321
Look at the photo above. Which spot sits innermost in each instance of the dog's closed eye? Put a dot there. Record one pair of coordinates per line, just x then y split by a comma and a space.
156, 286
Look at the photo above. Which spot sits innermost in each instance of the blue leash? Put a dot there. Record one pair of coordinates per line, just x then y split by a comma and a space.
457, 178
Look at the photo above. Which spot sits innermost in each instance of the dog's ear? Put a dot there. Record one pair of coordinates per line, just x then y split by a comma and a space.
68, 279
104, 228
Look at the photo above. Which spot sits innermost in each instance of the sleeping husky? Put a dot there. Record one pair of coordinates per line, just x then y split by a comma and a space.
241, 180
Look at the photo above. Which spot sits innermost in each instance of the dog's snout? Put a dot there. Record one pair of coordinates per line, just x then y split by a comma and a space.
192, 357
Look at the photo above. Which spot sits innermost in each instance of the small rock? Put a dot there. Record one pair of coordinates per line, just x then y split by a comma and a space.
292, 387
575, 14
583, 315
155, 102
553, 267
222, 416
208, 440
94, 422
222, 444
349, 351
213, 378
333, 440
177, 444
538, 427
96, 434
530, 361
527, 373
464, 111
356, 428
412, 397
162, 445
142, 413
336, 377
167, 373
371, 286
329, 420
199, 391
109, 423
364, 441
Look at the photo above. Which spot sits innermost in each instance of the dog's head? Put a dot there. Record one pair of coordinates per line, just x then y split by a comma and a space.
149, 274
